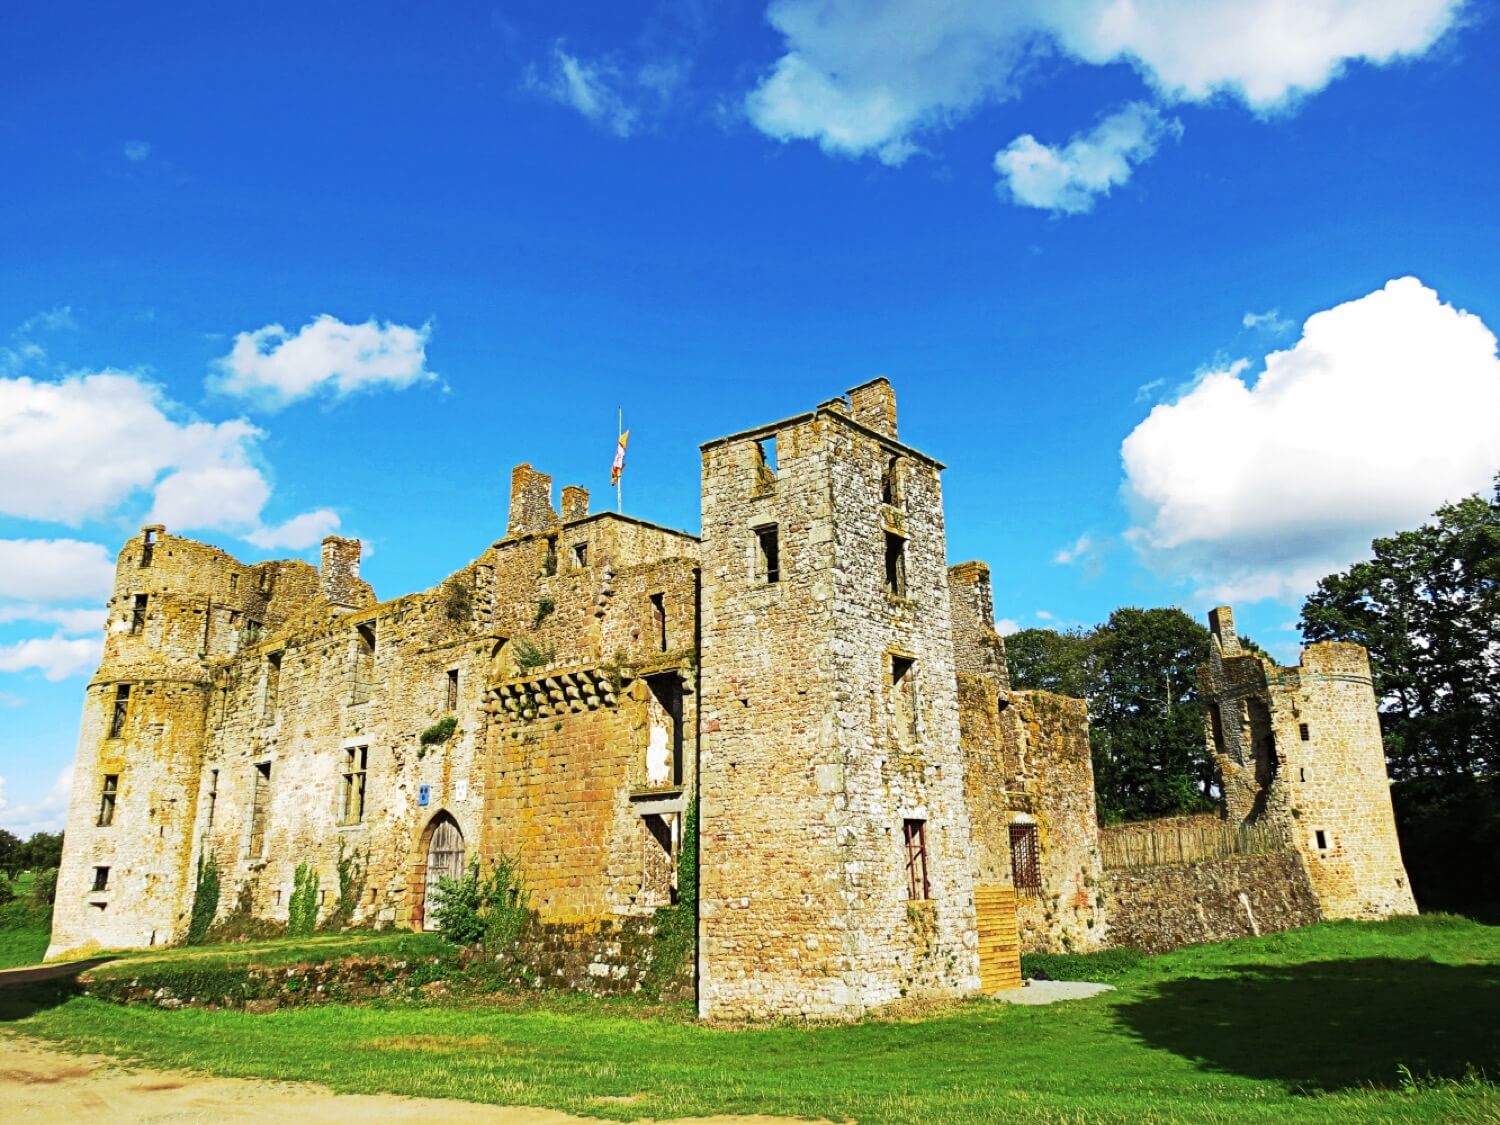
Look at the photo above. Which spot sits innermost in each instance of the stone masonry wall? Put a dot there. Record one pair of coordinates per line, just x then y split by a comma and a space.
1161, 908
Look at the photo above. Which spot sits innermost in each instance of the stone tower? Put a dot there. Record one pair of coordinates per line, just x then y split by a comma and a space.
1300, 748
836, 870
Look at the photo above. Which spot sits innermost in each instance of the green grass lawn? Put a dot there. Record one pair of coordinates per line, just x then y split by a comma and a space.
1387, 1021
24, 929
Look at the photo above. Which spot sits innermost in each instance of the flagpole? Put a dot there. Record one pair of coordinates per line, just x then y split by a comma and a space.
619, 487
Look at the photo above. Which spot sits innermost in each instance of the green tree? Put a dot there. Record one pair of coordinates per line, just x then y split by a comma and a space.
43, 849
10, 849
1427, 607
1139, 673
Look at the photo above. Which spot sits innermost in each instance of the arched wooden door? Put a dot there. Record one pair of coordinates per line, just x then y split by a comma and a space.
445, 857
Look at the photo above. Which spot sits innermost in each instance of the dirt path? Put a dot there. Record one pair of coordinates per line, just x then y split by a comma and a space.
39, 1085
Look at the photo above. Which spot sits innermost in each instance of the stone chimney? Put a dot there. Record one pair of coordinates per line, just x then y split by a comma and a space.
873, 405
1221, 625
977, 647
575, 503
339, 572
531, 508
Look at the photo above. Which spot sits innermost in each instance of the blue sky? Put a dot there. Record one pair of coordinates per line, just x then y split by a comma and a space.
271, 271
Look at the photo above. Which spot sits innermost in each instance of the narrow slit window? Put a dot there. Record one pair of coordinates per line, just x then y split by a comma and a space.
769, 553
107, 795
915, 833
356, 760
1305, 734
260, 804
101, 879
765, 464
138, 615
364, 664
889, 491
904, 695
1025, 859
1322, 838
213, 797
148, 548
659, 620
273, 685
121, 711
549, 556
895, 565
450, 688
234, 583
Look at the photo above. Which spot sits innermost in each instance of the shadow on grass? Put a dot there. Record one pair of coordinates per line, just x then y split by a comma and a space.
1329, 1025
26, 991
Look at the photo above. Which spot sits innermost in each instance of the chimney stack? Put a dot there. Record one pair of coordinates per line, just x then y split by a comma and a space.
531, 508
339, 572
1221, 625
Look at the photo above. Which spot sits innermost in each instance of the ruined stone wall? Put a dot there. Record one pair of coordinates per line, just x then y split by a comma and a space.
1046, 736
812, 759
1163, 907
1299, 749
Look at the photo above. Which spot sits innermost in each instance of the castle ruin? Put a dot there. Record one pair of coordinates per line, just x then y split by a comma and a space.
879, 814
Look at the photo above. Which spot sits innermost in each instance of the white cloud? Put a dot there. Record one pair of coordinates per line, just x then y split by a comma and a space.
55, 570
592, 88
57, 657
202, 473
299, 532
869, 77
55, 319
49, 814
1388, 406
69, 620
1067, 179
1007, 627
1081, 547
1270, 322
136, 151
273, 367
1043, 615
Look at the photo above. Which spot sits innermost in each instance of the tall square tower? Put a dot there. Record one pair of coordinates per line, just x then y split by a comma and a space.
836, 872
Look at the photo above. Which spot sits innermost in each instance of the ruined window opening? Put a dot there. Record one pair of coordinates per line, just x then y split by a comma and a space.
904, 694
666, 690
889, 490
148, 548
213, 797
1322, 840
765, 464
121, 712
580, 556
234, 583
549, 557
450, 700
356, 761
895, 565
659, 619
364, 664
1303, 732
107, 797
1025, 858
138, 615
273, 685
254, 627
915, 833
769, 556
260, 802
1216, 724
265, 580
101, 879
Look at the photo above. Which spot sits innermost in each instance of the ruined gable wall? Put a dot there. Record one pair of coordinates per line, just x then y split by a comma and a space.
1047, 738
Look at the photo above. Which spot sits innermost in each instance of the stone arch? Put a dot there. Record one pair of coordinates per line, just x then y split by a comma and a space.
441, 849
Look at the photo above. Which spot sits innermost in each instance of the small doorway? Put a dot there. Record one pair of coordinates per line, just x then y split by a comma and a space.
445, 857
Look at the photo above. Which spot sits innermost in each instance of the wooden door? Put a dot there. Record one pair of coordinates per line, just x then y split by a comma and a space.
445, 857
999, 942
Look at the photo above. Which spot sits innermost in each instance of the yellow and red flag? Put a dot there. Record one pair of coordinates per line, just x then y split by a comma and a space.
619, 466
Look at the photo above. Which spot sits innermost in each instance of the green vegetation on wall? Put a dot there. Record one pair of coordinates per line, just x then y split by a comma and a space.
205, 900
302, 908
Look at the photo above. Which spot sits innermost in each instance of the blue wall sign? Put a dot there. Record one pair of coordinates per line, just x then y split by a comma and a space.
423, 792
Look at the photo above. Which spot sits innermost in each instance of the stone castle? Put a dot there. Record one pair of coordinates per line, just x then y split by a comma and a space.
878, 814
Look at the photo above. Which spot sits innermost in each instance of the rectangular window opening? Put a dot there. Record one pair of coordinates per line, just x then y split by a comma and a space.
138, 615
356, 761
904, 694
765, 464
148, 548
260, 804
659, 620
234, 583
666, 689
450, 697
1025, 859
1322, 840
107, 795
580, 556
273, 685
915, 833
1304, 732
769, 561
121, 711
101, 878
889, 491
549, 557
364, 664
895, 565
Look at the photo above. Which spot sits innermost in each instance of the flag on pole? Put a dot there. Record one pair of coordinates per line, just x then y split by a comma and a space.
619, 466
